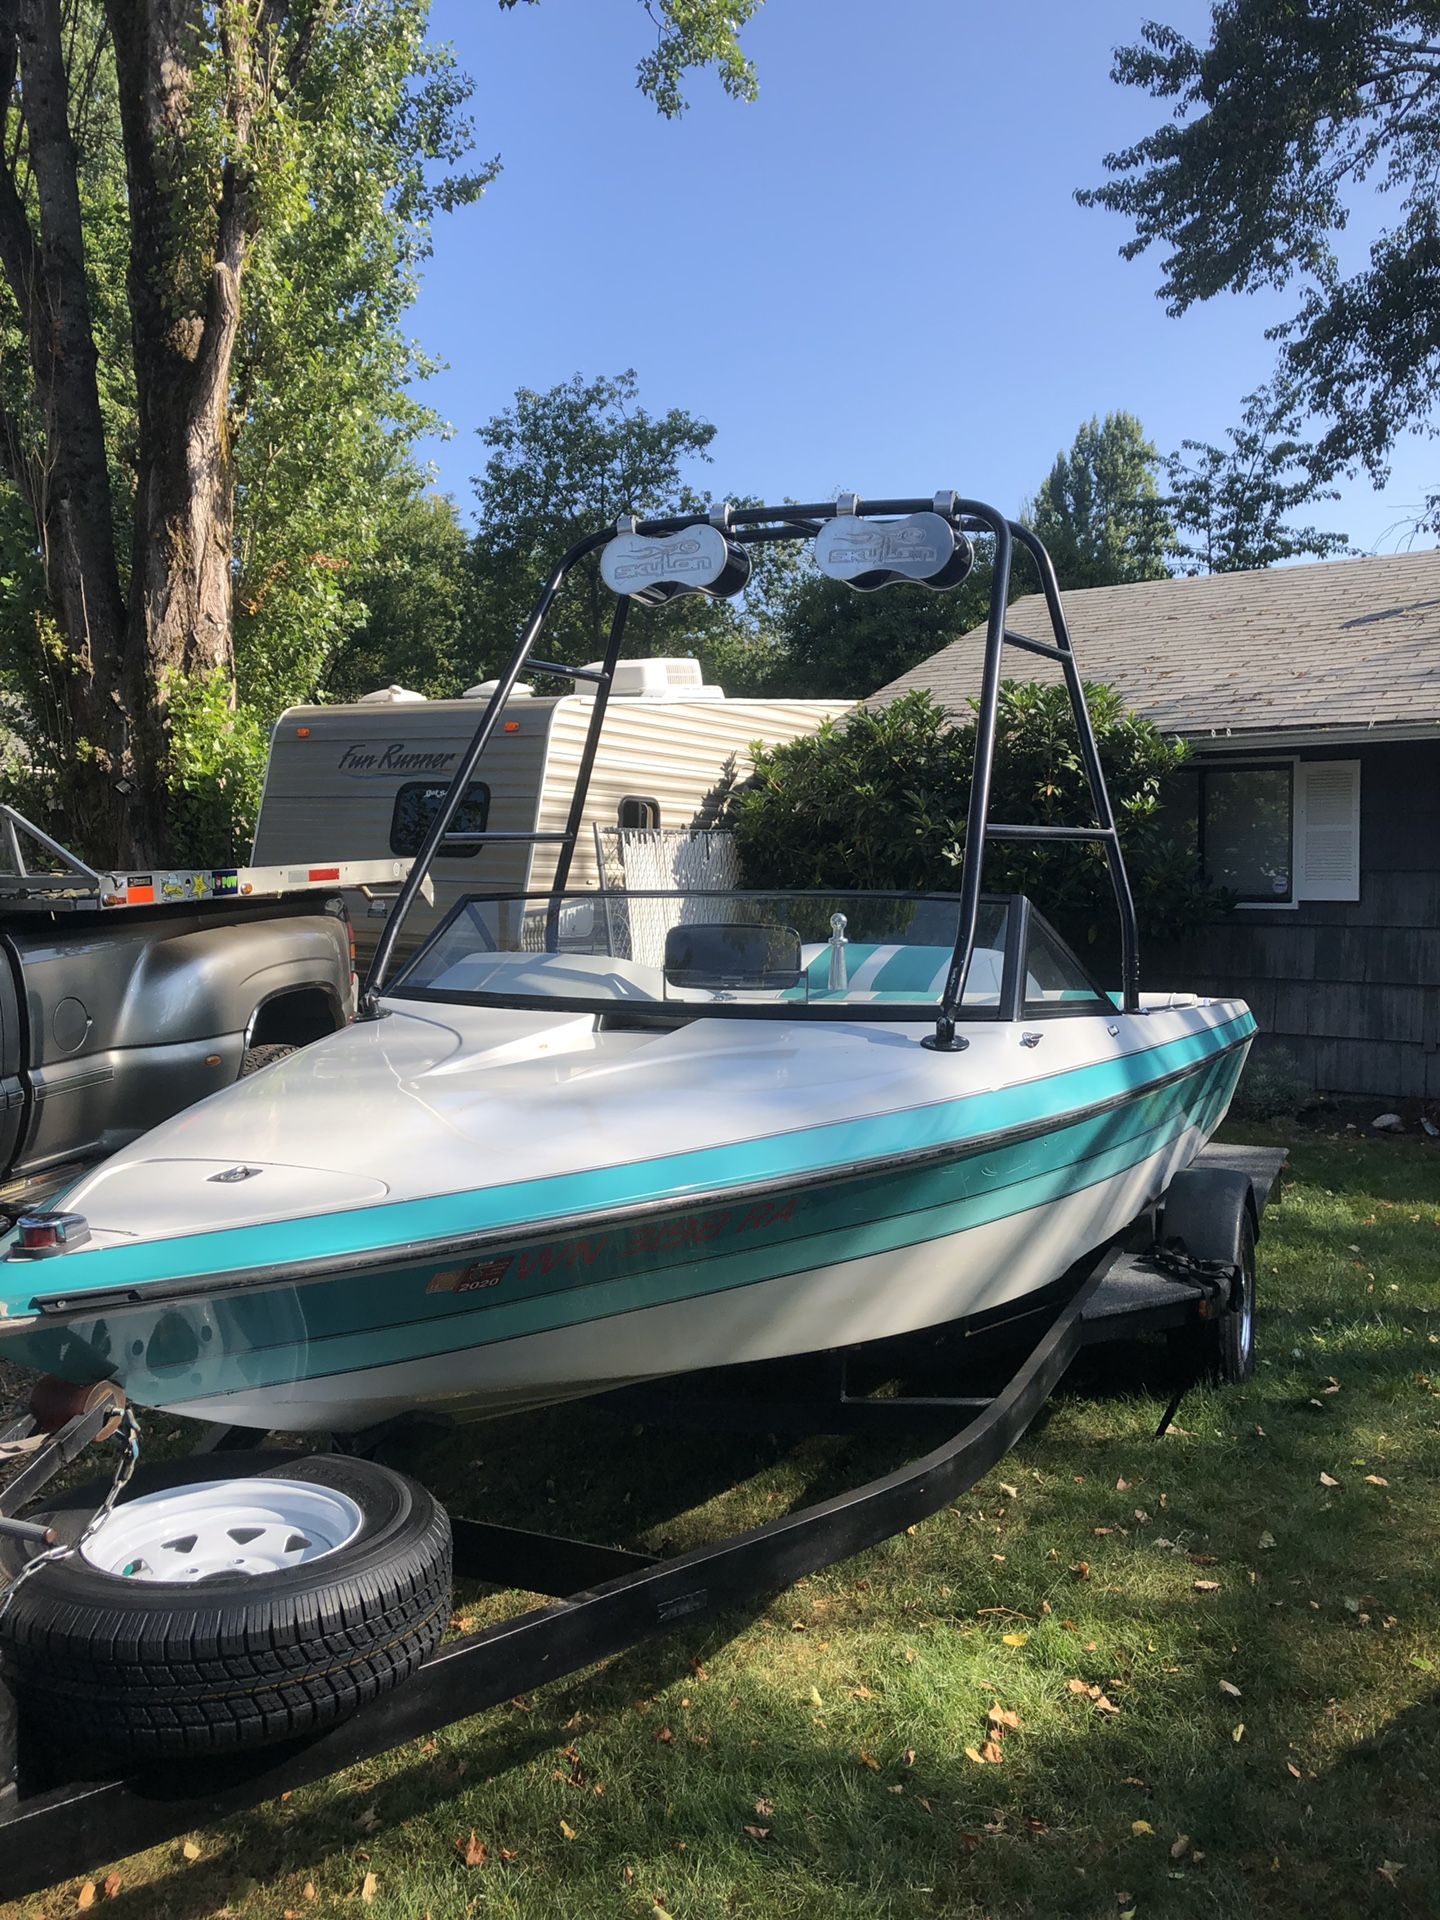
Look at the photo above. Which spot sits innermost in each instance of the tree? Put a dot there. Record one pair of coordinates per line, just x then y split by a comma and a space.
201, 203
831, 640
1278, 122
1099, 509
570, 460
1230, 504
416, 623
880, 801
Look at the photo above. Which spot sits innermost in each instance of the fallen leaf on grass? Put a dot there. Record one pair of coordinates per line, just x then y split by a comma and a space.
758, 1833
859, 1693
1004, 1717
764, 1806
665, 1737
1010, 1493
191, 1850
567, 1829
1388, 1869
1237, 1734
1326, 1481
111, 1886
1077, 1686
1266, 1541
1206, 1586
815, 1699
869, 1760
992, 1752
1180, 1846
1229, 1686
974, 1753
1014, 1639
1141, 1826
87, 1896
369, 1887
1292, 1769
1081, 1570
476, 1851
307, 1892
367, 1821
1374, 1480
908, 1757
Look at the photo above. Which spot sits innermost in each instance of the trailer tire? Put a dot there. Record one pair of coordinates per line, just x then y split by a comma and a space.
255, 1058
1220, 1351
148, 1668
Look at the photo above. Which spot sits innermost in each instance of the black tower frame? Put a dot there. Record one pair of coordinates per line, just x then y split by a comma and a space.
757, 526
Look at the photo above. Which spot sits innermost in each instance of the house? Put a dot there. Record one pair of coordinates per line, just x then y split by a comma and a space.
1310, 696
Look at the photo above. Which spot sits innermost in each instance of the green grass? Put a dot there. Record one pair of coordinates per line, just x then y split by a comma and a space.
810, 1758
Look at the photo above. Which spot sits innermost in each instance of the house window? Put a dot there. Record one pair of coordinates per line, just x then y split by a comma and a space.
416, 805
1247, 830
1278, 834
636, 811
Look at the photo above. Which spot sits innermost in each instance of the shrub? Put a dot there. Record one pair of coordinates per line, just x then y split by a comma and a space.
1272, 1087
879, 800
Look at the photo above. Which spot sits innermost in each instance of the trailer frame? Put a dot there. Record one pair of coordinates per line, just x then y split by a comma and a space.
601, 1600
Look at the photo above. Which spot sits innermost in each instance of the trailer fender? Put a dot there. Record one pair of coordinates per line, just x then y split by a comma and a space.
1204, 1214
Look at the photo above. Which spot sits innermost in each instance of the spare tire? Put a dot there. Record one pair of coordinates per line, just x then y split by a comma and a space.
216, 1611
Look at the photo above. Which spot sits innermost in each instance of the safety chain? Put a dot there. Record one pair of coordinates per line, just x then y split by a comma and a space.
128, 1432
1214, 1277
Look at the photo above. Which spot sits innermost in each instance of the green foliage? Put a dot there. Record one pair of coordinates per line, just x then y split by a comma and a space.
1231, 504
691, 34
568, 461
831, 640
1099, 509
880, 800
416, 628
1278, 121
1272, 1087
214, 774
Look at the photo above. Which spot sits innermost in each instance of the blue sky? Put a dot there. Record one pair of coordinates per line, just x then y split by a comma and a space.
876, 277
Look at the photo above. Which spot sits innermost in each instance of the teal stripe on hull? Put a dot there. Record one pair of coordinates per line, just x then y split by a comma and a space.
526, 1204
281, 1334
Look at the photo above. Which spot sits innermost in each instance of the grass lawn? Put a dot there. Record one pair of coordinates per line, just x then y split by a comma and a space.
1255, 1598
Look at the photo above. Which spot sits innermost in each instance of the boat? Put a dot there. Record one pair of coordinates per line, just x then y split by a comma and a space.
592, 1137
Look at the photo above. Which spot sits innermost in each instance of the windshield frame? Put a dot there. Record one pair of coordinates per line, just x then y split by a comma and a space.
1007, 1007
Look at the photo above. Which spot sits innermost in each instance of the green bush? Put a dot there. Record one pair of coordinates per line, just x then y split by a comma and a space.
214, 772
1272, 1087
879, 800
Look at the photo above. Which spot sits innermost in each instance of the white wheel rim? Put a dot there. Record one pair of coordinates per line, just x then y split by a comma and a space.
222, 1529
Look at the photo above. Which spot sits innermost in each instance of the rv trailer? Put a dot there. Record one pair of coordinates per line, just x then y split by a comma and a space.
363, 781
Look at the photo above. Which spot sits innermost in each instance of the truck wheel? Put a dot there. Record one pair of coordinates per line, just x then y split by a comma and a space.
255, 1058
208, 1615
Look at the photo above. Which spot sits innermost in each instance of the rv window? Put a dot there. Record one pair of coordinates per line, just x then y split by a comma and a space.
638, 812
416, 805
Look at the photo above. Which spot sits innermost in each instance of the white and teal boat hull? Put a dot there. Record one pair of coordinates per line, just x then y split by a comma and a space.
444, 1262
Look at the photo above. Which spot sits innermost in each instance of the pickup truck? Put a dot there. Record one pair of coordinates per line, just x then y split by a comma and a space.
127, 996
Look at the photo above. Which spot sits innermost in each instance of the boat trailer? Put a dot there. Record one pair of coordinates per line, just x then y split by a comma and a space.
61, 1816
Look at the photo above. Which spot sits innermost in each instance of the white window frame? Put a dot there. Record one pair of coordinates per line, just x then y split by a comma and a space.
1300, 896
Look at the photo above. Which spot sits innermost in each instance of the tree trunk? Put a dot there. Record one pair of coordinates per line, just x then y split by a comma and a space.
61, 470
180, 583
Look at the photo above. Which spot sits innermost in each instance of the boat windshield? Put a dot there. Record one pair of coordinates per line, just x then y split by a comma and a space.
843, 955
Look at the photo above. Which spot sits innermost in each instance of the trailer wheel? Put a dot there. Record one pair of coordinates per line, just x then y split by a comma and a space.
207, 1615
254, 1058
1221, 1350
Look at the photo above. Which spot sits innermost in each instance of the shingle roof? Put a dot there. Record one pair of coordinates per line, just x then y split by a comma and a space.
1337, 645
